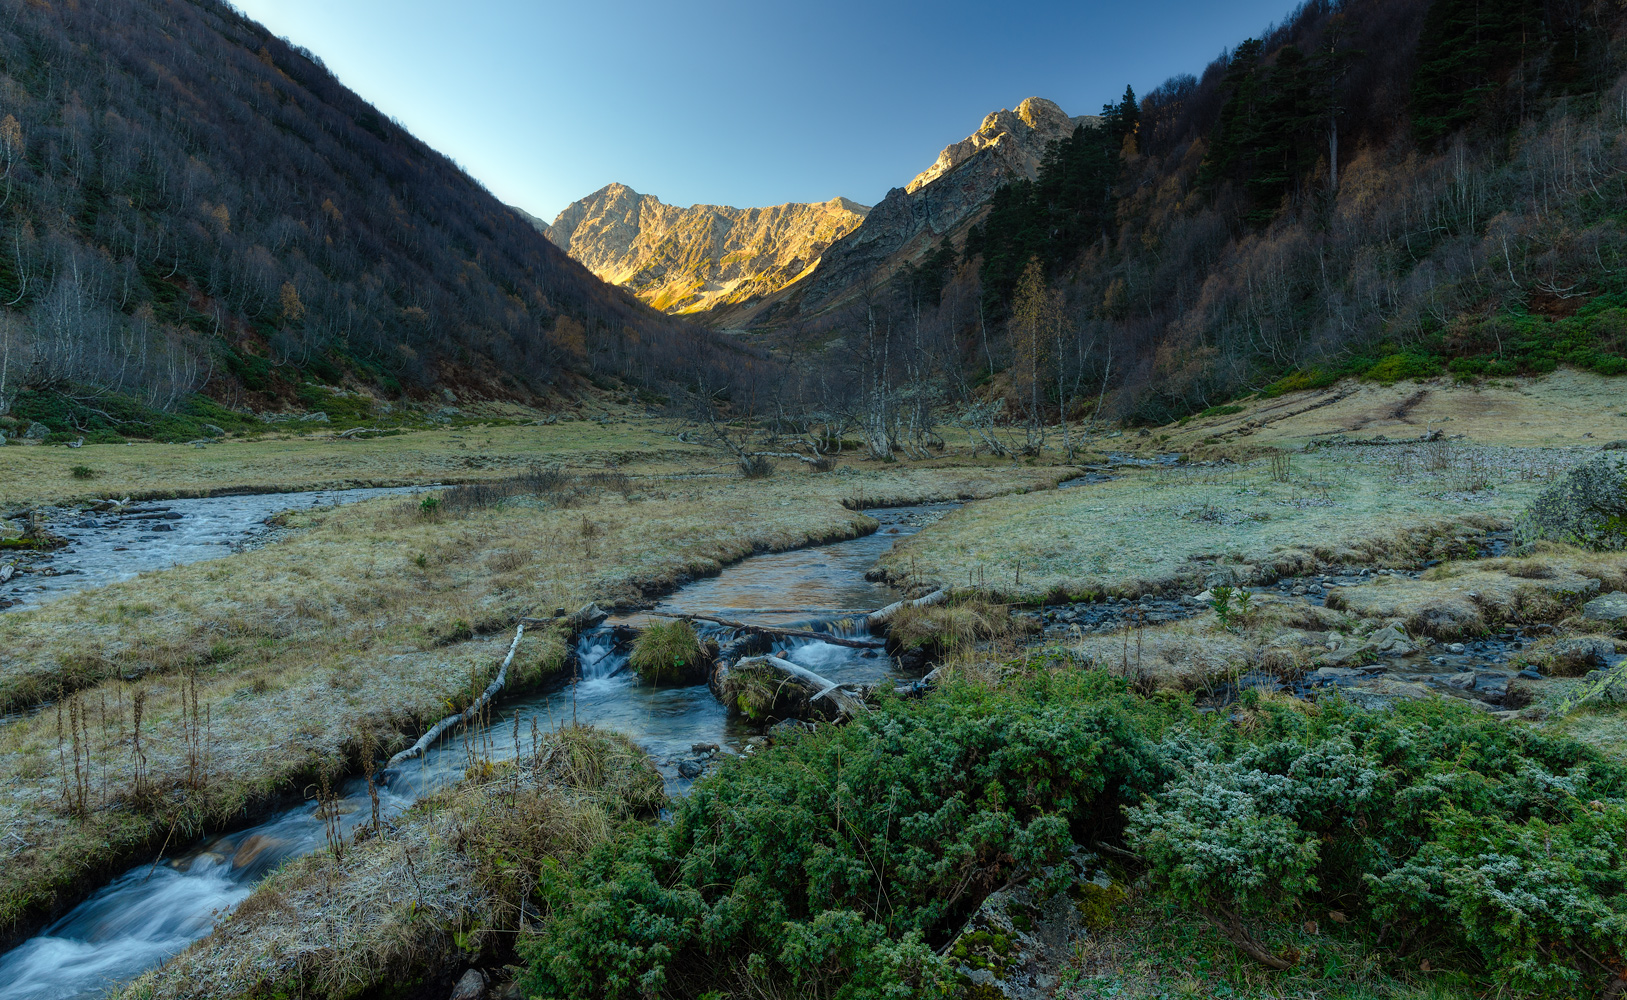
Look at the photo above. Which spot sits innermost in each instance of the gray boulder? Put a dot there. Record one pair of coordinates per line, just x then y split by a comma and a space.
1574, 657
36, 432
471, 987
1610, 608
1605, 685
1587, 507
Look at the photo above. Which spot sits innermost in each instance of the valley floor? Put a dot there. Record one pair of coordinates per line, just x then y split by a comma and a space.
365, 622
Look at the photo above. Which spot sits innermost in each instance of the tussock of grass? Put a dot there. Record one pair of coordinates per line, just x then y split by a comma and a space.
668, 653
544, 660
947, 627
760, 692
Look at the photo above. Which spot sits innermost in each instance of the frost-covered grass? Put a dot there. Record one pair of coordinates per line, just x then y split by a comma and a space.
372, 618
1156, 530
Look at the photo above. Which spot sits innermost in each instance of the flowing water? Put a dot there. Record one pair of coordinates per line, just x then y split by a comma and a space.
112, 546
156, 909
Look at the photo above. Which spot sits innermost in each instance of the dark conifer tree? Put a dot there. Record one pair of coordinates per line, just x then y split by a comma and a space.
1466, 52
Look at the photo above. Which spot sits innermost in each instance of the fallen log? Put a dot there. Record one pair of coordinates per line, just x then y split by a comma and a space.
428, 739
919, 686
765, 686
584, 618
794, 633
877, 619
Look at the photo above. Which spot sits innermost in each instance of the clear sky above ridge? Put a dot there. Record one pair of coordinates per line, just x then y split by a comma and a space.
733, 102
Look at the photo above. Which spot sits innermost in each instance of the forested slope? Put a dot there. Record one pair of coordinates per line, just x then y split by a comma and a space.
1386, 188
188, 203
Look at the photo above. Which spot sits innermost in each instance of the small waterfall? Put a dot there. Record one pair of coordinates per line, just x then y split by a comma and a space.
597, 655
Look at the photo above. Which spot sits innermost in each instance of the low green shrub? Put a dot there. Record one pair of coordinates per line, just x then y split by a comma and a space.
1447, 829
838, 864
832, 865
1403, 365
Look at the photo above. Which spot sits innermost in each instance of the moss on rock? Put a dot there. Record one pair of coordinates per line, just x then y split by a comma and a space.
1586, 508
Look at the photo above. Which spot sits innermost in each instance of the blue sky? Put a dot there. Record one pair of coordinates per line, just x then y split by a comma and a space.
729, 102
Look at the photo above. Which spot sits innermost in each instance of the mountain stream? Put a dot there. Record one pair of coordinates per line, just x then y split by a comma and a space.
157, 908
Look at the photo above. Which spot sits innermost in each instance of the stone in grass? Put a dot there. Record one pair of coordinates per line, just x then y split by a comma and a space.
1575, 657
1610, 608
36, 432
1587, 508
1020, 941
471, 987
1607, 685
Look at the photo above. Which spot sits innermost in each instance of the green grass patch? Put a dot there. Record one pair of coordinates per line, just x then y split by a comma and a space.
668, 653
110, 418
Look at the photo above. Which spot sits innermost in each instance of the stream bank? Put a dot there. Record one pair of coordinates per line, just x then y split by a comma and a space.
105, 543
156, 909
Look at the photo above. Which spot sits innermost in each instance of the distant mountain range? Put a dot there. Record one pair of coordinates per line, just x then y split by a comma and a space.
689, 260
735, 268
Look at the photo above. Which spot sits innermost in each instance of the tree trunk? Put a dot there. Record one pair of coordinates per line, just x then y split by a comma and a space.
877, 619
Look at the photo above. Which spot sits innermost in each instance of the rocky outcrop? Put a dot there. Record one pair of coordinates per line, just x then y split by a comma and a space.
948, 196
689, 260
1587, 508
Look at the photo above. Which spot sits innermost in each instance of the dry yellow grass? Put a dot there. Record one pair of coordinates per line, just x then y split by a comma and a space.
363, 622
1459, 600
33, 475
1565, 409
1199, 653
326, 926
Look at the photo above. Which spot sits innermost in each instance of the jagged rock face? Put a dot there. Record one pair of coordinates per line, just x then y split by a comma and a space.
687, 260
1016, 139
914, 220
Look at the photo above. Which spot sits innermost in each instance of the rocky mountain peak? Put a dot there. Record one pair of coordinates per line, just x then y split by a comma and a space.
1024, 134
690, 260
942, 200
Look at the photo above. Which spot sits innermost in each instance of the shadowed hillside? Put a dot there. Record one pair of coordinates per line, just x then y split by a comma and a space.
189, 203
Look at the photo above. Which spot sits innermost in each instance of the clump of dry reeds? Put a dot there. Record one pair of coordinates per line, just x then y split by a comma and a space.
944, 628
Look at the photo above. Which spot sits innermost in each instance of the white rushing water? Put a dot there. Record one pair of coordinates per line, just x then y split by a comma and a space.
154, 910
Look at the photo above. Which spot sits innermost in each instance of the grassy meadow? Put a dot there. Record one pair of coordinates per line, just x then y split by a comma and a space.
369, 620
1162, 529
262, 672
